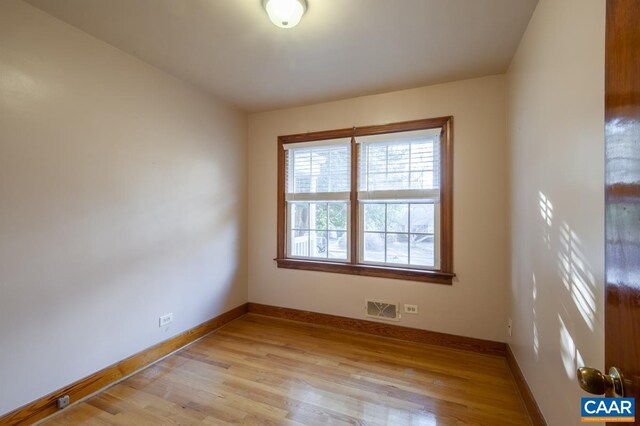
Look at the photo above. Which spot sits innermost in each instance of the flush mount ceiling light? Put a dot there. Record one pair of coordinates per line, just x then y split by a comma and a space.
285, 13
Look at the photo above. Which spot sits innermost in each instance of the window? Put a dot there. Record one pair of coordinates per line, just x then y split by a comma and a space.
371, 201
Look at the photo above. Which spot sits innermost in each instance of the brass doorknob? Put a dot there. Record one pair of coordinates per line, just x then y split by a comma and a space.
593, 381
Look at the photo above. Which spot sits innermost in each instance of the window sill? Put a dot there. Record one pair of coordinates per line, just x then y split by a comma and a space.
428, 276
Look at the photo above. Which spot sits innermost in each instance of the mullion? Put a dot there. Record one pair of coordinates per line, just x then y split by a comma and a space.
385, 228
329, 154
353, 253
328, 221
309, 241
326, 206
400, 171
309, 206
386, 159
424, 234
409, 216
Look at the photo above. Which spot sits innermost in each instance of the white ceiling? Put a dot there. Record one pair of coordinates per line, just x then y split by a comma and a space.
341, 48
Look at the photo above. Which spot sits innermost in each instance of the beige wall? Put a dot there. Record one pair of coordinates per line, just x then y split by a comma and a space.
556, 134
475, 304
122, 198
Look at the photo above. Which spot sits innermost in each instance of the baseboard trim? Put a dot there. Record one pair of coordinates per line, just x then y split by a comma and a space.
537, 419
46, 405
386, 330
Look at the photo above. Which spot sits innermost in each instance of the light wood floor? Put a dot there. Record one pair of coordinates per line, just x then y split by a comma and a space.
264, 371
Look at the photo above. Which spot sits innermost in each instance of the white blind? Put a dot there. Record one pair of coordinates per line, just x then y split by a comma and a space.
402, 165
318, 171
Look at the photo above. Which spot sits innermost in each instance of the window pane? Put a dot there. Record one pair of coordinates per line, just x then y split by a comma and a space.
320, 170
319, 244
398, 248
299, 215
299, 243
318, 216
376, 159
308, 232
397, 217
340, 170
338, 245
422, 218
338, 216
374, 217
422, 250
398, 158
422, 179
423, 164
373, 250
394, 180
421, 156
300, 171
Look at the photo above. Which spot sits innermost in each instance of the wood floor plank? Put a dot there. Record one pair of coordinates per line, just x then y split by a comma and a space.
266, 371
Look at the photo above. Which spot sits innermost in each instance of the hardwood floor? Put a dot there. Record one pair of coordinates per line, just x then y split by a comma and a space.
266, 371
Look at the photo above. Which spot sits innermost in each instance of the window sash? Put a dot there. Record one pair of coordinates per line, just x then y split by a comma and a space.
289, 229
436, 238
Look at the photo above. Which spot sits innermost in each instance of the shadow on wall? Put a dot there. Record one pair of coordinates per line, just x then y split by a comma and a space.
141, 238
181, 246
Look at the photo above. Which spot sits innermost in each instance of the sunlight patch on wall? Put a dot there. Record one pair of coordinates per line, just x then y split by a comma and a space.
546, 211
536, 338
534, 294
575, 274
571, 357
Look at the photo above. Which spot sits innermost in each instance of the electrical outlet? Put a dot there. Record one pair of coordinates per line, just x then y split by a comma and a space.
510, 327
411, 309
63, 401
166, 319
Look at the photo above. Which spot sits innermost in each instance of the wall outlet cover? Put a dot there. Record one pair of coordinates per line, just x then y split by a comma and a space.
410, 309
166, 319
63, 401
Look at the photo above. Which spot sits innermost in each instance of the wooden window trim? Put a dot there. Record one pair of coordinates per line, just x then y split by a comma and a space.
445, 274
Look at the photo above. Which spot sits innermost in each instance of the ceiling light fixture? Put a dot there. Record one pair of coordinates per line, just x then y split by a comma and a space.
285, 13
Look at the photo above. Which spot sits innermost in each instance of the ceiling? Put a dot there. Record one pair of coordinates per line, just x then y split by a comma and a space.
340, 49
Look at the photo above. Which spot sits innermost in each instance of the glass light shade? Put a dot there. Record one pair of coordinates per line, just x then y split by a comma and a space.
285, 13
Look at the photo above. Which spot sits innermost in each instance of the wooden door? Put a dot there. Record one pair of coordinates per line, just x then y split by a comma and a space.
622, 160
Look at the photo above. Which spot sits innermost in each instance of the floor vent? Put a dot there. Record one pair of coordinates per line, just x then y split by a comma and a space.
382, 310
